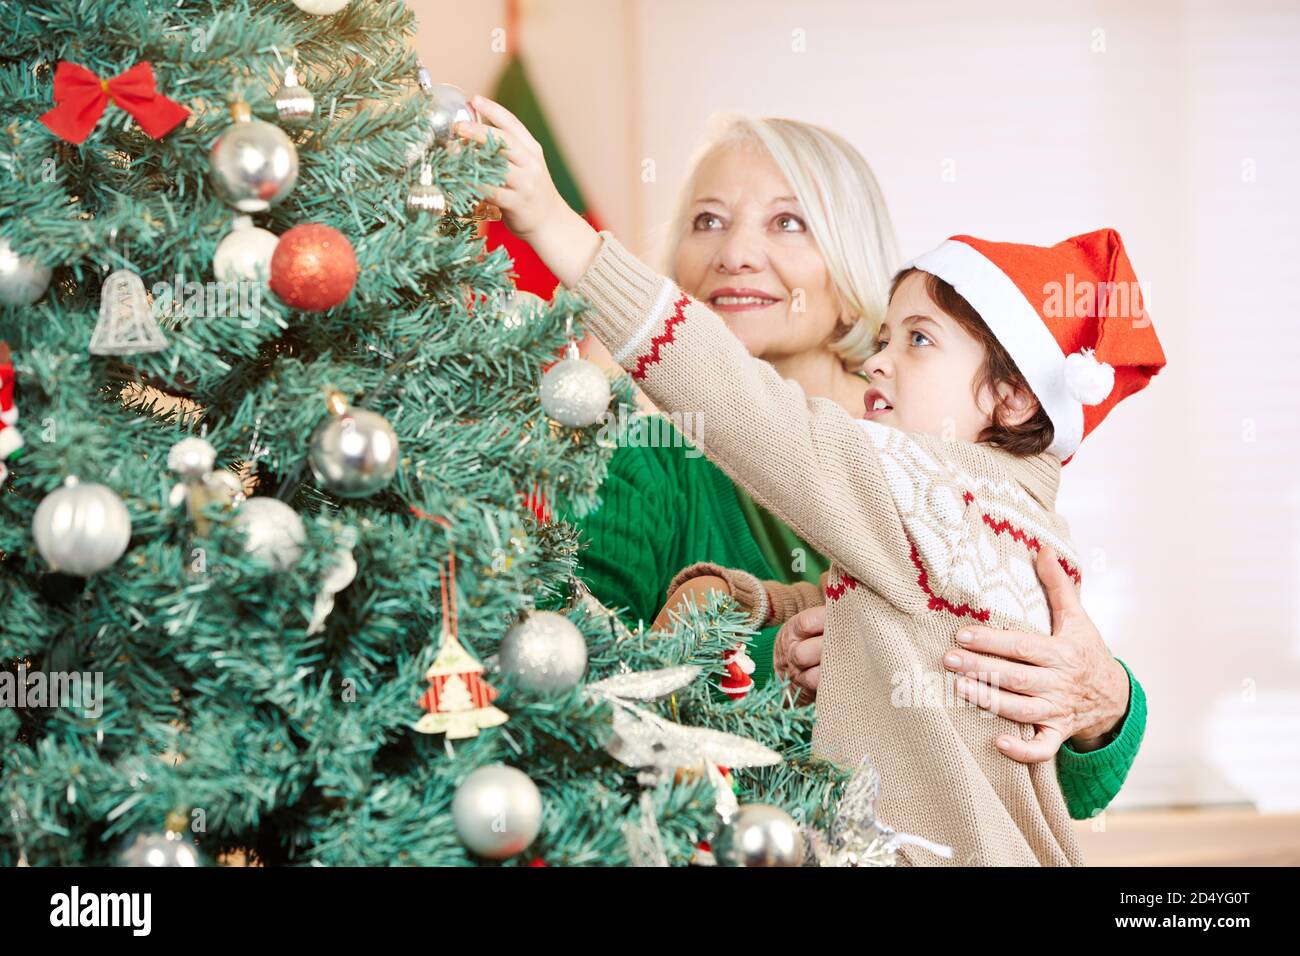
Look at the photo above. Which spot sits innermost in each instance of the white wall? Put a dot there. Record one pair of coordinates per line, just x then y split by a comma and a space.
1176, 123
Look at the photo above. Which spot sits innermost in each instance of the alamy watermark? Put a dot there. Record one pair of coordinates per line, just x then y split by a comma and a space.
683, 430
229, 299
77, 691
1087, 299
930, 688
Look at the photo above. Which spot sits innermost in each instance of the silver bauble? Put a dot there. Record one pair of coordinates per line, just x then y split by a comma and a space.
445, 106
497, 811
253, 165
425, 197
22, 280
544, 653
353, 453
245, 253
81, 528
191, 457
575, 392
320, 8
163, 848
760, 835
273, 532
294, 103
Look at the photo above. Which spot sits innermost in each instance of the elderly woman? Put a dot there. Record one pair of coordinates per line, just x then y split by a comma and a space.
783, 231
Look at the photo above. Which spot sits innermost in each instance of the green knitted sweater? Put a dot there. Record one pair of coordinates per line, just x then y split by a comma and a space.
668, 507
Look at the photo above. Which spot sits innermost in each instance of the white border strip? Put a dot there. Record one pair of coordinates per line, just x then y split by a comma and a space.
633, 345
1020, 329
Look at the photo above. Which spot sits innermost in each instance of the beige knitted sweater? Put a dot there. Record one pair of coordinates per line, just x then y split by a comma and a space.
924, 535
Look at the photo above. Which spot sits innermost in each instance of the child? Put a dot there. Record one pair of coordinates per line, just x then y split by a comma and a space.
931, 508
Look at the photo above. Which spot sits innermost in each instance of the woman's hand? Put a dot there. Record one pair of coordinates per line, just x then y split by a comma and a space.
797, 652
530, 204
1067, 684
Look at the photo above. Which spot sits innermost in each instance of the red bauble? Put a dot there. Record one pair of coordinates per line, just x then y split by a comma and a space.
313, 267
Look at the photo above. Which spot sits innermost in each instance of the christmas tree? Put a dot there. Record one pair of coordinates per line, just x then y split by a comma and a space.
276, 514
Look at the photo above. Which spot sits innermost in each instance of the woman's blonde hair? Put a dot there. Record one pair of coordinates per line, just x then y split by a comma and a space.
842, 204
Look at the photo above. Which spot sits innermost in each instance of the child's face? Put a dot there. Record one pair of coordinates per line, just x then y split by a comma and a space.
925, 368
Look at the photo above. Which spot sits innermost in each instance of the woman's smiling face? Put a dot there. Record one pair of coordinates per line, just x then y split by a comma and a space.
748, 254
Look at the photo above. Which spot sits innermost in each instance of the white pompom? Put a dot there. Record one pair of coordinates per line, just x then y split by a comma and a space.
1088, 380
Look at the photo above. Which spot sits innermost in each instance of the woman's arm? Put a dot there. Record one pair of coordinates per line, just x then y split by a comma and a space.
1089, 780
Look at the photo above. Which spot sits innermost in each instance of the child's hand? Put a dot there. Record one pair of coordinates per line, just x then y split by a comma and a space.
529, 196
697, 589
530, 204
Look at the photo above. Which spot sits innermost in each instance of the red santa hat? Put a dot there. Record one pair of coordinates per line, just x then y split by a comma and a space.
1070, 315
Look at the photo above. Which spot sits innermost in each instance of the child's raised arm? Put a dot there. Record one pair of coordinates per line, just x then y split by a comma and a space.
808, 462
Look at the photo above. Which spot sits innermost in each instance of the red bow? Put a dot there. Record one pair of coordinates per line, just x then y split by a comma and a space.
81, 97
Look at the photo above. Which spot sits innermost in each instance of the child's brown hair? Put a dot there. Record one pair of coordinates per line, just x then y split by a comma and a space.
1032, 436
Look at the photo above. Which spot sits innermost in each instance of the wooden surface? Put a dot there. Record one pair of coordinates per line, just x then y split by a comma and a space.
1212, 837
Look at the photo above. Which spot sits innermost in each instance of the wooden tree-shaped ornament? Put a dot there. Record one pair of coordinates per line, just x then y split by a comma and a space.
458, 702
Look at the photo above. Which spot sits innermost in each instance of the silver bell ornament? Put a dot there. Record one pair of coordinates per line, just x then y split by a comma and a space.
273, 532
354, 452
81, 528
244, 255
320, 8
126, 323
22, 280
497, 811
575, 391
253, 165
294, 103
544, 653
158, 848
760, 835
425, 197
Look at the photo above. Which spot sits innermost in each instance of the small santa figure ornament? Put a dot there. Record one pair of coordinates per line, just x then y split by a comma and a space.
740, 665
10, 440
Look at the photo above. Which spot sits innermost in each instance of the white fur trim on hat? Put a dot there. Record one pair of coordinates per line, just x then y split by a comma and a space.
1019, 327
10, 416
10, 441
1088, 379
